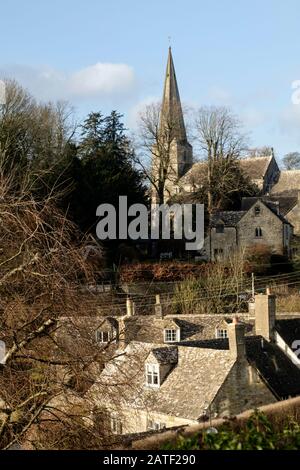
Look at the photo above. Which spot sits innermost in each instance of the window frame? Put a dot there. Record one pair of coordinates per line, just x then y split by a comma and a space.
221, 333
102, 333
152, 372
116, 425
171, 331
153, 425
258, 232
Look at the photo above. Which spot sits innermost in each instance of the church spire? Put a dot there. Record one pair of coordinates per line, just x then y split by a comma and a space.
171, 111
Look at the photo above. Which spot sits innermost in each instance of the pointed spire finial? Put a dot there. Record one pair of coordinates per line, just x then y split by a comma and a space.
171, 104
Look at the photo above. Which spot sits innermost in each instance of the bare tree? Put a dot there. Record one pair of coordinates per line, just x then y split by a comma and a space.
291, 161
156, 153
221, 141
257, 152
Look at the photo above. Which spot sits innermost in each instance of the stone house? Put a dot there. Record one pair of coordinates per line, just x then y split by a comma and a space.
287, 203
260, 225
156, 385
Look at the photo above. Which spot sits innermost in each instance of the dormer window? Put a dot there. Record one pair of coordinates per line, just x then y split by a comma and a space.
102, 336
221, 333
170, 335
155, 425
220, 228
258, 232
152, 375
256, 210
116, 425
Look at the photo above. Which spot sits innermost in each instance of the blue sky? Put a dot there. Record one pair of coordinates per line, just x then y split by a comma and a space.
104, 55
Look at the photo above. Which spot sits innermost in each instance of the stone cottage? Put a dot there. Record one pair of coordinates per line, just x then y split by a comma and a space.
156, 385
261, 224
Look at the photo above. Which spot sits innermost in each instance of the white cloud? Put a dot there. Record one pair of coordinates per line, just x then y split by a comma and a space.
102, 78
98, 80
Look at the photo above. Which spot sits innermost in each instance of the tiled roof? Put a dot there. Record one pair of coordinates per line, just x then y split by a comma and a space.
148, 328
277, 370
165, 355
289, 330
230, 218
285, 202
288, 180
268, 202
202, 371
255, 167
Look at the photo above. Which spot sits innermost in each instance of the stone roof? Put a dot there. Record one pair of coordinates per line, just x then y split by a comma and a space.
276, 369
197, 173
255, 167
165, 355
289, 330
202, 365
203, 371
230, 218
150, 329
288, 180
285, 202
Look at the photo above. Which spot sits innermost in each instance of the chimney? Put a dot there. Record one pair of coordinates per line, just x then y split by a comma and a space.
130, 307
158, 306
236, 336
265, 312
2, 352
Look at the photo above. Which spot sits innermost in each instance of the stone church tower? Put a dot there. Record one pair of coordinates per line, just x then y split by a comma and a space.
172, 156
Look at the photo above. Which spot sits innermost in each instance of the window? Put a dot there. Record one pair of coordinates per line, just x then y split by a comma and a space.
170, 335
221, 333
258, 232
256, 210
102, 336
219, 228
152, 375
154, 425
116, 425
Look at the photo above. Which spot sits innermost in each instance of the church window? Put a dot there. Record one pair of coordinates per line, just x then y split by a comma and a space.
258, 232
220, 228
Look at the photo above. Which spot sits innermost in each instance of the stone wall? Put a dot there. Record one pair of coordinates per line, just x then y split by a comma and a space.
242, 390
294, 218
270, 224
137, 420
225, 241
